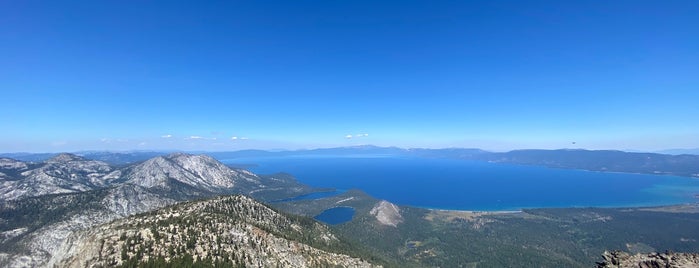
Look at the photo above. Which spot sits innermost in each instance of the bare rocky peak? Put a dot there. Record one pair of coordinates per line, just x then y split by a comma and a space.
69, 173
9, 163
73, 164
620, 259
200, 171
64, 173
387, 213
64, 158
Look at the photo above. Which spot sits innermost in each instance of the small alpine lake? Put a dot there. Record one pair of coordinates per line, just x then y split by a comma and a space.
472, 185
336, 215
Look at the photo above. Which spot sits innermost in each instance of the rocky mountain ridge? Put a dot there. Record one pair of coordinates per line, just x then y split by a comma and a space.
47, 203
231, 230
64, 173
598, 160
69, 173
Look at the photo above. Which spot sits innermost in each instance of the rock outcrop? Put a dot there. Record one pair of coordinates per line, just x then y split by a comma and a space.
64, 173
620, 259
9, 163
228, 231
387, 213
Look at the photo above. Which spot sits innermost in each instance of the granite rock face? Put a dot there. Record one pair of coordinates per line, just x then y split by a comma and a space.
64, 173
235, 230
387, 213
620, 259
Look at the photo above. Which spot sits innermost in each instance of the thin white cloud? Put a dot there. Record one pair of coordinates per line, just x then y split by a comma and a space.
142, 143
361, 135
234, 138
194, 137
243, 138
166, 136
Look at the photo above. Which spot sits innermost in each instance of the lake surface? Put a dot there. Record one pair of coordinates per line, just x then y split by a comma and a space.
472, 185
312, 196
336, 215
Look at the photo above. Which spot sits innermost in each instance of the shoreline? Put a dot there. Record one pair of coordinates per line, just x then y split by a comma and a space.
654, 173
475, 211
677, 208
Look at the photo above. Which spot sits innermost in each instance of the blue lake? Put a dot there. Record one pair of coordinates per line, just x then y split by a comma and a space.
312, 196
472, 185
336, 215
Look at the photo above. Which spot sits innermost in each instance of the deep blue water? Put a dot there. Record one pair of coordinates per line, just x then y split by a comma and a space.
472, 185
336, 215
312, 196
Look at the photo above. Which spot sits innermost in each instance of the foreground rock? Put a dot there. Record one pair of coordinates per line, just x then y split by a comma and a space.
224, 231
620, 259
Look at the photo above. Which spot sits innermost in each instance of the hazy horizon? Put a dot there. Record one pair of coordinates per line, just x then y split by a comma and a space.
664, 151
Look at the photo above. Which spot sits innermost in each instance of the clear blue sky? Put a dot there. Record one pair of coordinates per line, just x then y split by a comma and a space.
498, 75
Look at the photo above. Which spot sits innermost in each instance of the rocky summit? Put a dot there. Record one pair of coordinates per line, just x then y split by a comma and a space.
198, 171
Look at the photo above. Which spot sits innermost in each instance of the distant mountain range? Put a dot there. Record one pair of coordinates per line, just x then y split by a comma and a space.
694, 151
608, 161
601, 160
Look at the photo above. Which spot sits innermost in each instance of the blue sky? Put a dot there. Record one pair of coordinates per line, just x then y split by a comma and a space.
497, 75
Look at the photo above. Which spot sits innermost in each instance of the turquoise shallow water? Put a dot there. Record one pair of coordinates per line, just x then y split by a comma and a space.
471, 185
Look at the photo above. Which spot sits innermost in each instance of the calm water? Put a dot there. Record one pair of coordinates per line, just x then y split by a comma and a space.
470, 185
312, 196
336, 215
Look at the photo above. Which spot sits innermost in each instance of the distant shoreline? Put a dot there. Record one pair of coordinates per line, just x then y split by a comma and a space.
476, 211
675, 208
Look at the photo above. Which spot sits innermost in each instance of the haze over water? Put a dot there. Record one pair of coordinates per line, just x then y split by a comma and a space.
471, 185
